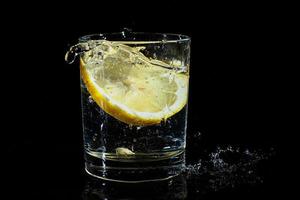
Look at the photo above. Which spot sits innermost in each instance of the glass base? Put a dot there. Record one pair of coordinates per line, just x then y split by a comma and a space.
134, 172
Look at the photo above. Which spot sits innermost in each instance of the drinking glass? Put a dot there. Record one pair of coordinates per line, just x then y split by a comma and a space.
134, 91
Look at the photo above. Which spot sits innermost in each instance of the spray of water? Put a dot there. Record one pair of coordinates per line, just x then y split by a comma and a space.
228, 166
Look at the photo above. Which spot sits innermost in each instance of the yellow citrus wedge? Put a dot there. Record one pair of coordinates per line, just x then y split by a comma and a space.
137, 94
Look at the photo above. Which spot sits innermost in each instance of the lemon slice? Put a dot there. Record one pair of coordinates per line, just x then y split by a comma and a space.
128, 87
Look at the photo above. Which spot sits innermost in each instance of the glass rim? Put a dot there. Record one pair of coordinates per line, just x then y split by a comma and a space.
165, 37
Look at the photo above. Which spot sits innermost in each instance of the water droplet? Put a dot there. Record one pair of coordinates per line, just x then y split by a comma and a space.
247, 152
123, 34
165, 37
130, 126
90, 99
154, 56
198, 134
126, 32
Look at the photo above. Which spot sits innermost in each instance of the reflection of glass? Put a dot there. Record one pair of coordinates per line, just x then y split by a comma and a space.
134, 104
171, 189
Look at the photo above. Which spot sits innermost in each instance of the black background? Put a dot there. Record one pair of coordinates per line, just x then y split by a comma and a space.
236, 90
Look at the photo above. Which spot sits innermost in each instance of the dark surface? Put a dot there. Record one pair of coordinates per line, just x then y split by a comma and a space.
236, 94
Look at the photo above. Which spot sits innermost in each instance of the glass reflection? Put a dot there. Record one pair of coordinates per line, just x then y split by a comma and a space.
175, 189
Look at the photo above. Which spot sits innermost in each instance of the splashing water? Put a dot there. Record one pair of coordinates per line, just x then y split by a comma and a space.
79, 49
227, 166
94, 52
